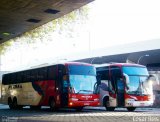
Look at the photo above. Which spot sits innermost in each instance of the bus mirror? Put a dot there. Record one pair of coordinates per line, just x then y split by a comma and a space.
126, 78
153, 78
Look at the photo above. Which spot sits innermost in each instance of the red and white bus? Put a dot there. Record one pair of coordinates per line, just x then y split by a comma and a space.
125, 85
72, 85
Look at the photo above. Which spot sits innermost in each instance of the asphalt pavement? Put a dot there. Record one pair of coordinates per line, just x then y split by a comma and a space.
88, 114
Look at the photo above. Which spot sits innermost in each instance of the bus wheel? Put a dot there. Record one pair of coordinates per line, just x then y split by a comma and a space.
35, 107
14, 103
79, 109
10, 104
20, 106
131, 108
52, 104
110, 108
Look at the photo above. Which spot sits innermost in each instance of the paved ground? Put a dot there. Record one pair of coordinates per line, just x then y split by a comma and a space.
87, 115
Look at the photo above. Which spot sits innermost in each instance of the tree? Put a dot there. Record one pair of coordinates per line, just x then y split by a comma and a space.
39, 34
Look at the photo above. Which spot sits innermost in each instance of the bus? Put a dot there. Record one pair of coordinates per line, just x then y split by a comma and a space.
72, 85
125, 85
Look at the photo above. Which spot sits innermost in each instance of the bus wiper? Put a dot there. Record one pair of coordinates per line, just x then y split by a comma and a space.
138, 93
84, 91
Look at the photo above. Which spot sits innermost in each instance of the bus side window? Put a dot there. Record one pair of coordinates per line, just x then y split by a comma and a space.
34, 75
9, 79
103, 74
42, 74
13, 78
26, 76
61, 70
52, 72
5, 79
21, 76
116, 71
19, 79
104, 77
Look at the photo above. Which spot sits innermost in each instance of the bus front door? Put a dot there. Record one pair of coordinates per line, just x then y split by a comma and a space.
65, 93
118, 84
63, 84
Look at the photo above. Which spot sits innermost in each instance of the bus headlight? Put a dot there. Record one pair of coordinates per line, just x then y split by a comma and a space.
70, 103
73, 99
96, 99
150, 97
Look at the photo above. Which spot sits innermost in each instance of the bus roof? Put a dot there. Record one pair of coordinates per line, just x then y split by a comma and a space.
118, 64
79, 63
43, 66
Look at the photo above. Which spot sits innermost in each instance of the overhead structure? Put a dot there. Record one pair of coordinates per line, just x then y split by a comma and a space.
19, 16
143, 52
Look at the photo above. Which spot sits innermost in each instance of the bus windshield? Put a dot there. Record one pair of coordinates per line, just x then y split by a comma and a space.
82, 79
138, 81
83, 84
81, 70
139, 85
133, 70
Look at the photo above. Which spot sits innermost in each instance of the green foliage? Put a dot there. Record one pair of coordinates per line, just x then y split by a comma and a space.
63, 25
4, 46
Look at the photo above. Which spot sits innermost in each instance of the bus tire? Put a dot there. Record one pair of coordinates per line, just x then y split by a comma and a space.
10, 104
14, 103
52, 104
110, 108
106, 104
79, 108
20, 106
35, 107
131, 108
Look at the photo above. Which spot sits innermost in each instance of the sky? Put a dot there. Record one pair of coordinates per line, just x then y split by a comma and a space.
110, 23
124, 21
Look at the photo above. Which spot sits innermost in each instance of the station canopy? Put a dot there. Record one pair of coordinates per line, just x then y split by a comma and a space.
19, 16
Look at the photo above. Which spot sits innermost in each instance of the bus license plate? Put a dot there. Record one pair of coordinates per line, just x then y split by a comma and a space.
86, 103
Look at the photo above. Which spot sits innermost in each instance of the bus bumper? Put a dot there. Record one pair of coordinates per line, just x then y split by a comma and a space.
139, 104
83, 103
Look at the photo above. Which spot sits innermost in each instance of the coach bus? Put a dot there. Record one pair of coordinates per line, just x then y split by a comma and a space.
125, 85
72, 85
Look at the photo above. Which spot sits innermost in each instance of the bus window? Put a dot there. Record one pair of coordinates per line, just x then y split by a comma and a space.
13, 78
42, 74
26, 76
19, 78
52, 72
5, 79
34, 75
116, 71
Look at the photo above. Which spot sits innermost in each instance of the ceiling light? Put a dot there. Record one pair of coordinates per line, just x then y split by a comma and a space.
6, 34
51, 11
33, 20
